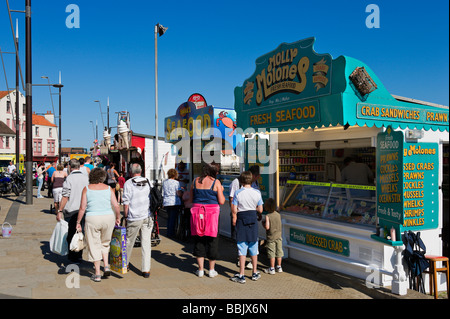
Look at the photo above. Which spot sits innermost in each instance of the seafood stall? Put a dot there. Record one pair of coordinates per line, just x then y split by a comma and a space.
206, 133
325, 120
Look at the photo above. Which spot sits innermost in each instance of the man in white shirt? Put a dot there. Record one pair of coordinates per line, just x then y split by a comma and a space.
11, 168
136, 200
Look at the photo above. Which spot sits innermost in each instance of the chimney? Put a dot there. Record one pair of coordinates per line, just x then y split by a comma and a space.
49, 116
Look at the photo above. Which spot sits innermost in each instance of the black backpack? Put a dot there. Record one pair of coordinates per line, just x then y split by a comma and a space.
156, 198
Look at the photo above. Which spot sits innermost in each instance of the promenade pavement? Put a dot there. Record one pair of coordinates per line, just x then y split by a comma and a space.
29, 270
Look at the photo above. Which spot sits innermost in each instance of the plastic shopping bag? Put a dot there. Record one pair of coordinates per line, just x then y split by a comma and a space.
118, 250
77, 243
58, 241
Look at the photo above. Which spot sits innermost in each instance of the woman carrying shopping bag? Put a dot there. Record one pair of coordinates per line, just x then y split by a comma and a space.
102, 210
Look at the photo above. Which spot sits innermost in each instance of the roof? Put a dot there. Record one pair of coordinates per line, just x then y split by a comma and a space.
41, 120
5, 130
4, 93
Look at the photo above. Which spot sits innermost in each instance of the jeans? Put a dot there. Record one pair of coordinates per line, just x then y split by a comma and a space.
172, 212
40, 183
144, 228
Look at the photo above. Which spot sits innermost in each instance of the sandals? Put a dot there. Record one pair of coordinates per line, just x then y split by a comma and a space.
96, 278
107, 272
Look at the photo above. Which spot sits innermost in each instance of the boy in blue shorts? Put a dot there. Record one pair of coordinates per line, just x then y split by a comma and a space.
247, 204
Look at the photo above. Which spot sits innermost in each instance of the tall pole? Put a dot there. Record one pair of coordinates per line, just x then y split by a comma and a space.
29, 106
107, 123
155, 143
17, 100
59, 86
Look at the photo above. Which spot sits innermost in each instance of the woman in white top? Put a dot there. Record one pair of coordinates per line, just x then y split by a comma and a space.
172, 199
40, 177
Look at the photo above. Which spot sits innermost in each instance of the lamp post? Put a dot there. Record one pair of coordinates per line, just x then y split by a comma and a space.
101, 113
17, 100
159, 29
28, 99
59, 86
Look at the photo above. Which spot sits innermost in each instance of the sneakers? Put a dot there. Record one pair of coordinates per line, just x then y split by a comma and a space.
256, 276
199, 273
212, 273
271, 271
238, 278
241, 279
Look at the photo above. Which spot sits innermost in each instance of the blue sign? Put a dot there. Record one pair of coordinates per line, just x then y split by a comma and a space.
420, 186
389, 176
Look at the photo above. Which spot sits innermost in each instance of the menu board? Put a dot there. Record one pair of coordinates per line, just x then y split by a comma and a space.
420, 186
407, 183
389, 175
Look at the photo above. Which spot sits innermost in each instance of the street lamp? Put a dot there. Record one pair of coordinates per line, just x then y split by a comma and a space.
101, 113
94, 129
107, 114
59, 86
159, 29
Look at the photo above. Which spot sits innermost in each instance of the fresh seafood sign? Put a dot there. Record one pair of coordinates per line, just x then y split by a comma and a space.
289, 73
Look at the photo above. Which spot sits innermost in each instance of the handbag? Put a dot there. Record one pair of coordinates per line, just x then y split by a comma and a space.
78, 242
58, 240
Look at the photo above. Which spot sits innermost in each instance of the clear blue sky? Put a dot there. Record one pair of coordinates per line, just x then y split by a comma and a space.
210, 48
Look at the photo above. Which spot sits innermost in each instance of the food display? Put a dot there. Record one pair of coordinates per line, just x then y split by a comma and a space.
340, 202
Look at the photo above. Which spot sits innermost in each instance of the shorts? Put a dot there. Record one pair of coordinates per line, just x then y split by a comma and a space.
252, 248
206, 247
57, 194
274, 248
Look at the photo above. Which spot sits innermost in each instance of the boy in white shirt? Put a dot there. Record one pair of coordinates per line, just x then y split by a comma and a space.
247, 204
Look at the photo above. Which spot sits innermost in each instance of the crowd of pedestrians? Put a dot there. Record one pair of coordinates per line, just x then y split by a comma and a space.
89, 199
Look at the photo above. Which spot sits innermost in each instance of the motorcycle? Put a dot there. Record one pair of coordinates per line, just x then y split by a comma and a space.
7, 185
19, 180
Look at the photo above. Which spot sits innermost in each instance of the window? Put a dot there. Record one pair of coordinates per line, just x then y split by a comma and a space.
24, 111
50, 132
36, 131
8, 107
7, 142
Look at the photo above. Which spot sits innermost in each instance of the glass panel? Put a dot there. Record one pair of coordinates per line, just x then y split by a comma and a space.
355, 204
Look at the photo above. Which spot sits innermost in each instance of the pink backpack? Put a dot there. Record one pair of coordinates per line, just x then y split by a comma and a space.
205, 219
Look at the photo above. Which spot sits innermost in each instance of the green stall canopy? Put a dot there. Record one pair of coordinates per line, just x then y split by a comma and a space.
294, 87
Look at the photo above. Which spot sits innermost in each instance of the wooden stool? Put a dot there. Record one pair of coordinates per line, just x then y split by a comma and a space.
433, 270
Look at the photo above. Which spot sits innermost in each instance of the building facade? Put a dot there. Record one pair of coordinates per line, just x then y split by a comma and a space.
44, 130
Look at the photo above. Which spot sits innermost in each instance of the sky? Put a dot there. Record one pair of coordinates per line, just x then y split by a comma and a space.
210, 47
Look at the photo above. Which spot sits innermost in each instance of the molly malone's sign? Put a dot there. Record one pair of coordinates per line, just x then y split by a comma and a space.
292, 72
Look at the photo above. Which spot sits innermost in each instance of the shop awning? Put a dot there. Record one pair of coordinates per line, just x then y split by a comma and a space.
293, 87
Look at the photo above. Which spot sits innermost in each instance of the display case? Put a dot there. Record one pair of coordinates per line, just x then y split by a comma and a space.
355, 204
301, 165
